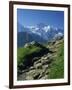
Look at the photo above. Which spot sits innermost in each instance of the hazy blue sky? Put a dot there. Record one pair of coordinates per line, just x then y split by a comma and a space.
29, 17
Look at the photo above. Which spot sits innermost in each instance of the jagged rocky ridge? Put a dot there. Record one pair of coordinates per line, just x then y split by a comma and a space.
37, 65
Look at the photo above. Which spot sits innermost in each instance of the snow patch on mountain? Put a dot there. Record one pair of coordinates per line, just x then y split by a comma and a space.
47, 28
58, 36
47, 32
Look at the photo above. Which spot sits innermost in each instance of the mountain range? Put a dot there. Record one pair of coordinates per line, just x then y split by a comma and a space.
40, 33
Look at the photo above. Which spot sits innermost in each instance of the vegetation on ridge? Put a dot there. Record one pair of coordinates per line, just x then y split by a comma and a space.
26, 54
57, 66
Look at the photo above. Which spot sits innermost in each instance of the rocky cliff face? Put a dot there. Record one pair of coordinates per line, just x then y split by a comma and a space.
39, 69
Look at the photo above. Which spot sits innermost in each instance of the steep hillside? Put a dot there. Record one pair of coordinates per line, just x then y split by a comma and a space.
37, 61
57, 66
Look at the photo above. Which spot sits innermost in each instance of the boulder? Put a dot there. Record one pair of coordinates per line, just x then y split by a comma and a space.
36, 75
35, 59
38, 61
31, 68
31, 72
45, 67
33, 42
26, 45
47, 72
29, 77
45, 62
44, 58
38, 66
44, 77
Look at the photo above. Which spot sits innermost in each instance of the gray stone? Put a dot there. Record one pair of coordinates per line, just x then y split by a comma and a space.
36, 75
33, 42
31, 72
35, 59
38, 66
44, 58
45, 67
26, 45
31, 68
29, 77
38, 61
44, 62
47, 72
44, 77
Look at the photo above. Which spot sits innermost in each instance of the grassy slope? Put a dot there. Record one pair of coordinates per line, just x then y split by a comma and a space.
57, 66
23, 52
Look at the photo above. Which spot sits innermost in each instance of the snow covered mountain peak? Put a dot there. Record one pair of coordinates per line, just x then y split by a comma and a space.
47, 28
47, 32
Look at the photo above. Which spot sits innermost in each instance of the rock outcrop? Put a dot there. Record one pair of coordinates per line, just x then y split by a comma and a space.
40, 67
